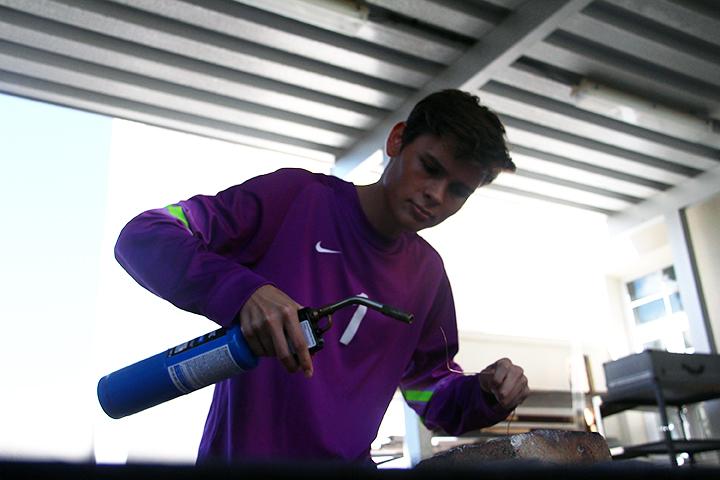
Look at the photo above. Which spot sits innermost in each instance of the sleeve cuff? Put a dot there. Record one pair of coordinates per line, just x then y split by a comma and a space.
230, 297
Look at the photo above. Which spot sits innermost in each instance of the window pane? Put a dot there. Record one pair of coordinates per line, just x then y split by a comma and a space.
649, 312
676, 302
644, 286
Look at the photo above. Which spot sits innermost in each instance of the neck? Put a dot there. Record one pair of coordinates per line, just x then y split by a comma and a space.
374, 206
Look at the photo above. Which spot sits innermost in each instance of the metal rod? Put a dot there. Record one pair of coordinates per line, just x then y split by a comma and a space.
384, 309
665, 427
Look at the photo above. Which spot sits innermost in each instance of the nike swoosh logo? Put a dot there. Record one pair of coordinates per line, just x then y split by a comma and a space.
320, 249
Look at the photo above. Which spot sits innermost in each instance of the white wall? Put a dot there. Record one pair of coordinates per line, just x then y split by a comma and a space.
554, 372
704, 224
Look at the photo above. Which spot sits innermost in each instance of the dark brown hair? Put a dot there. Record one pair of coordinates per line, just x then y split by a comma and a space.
458, 116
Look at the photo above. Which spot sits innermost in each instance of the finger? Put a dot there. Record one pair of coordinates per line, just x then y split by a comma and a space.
265, 339
250, 333
518, 395
297, 338
524, 390
512, 379
255, 346
502, 369
252, 328
283, 350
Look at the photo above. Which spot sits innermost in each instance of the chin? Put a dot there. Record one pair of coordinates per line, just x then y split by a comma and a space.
416, 227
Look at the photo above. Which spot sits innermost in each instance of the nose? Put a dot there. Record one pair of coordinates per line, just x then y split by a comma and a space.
434, 192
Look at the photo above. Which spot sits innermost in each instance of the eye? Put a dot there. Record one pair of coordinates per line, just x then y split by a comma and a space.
430, 167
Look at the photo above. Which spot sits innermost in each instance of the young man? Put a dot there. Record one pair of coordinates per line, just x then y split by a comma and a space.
257, 252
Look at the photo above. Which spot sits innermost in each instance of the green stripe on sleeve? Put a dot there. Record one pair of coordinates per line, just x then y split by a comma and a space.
177, 212
417, 395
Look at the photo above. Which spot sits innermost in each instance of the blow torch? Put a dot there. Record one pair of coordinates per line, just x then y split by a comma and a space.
206, 360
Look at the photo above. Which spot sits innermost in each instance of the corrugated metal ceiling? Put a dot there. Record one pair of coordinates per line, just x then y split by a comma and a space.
606, 102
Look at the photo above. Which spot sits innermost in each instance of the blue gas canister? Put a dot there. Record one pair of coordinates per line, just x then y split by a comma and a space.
206, 360
185, 368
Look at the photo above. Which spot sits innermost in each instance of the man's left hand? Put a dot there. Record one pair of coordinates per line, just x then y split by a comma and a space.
506, 381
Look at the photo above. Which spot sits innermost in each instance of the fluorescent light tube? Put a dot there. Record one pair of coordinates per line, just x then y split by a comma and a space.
601, 99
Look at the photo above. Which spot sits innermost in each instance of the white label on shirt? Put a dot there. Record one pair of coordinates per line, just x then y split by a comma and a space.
354, 324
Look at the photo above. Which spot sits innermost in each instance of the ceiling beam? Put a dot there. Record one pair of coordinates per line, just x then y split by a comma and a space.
150, 31
546, 198
522, 29
110, 82
614, 174
64, 95
353, 19
578, 186
576, 119
628, 161
42, 34
685, 194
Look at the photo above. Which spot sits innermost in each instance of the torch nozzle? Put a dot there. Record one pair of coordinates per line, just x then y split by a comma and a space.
384, 309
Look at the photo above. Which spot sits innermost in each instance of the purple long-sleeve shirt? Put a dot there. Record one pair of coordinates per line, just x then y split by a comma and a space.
307, 235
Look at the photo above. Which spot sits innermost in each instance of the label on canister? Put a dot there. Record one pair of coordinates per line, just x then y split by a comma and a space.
203, 369
196, 342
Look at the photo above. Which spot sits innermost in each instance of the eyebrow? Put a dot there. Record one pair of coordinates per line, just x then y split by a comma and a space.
433, 158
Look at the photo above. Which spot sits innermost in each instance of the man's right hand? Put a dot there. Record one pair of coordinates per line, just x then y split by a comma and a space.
269, 321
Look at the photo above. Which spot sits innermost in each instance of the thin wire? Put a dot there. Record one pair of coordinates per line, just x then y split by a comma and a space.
447, 365
447, 357
509, 420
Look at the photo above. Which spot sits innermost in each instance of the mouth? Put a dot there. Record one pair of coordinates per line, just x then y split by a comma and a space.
419, 213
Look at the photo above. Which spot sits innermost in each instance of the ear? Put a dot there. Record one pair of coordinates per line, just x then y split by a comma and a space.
393, 146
